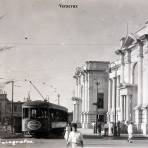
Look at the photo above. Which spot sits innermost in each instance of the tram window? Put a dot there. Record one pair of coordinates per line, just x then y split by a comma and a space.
33, 113
25, 112
51, 114
43, 113
58, 117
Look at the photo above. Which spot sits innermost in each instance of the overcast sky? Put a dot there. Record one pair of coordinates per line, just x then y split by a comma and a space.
49, 42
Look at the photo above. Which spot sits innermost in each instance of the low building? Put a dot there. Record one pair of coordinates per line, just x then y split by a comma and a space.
90, 100
128, 81
6, 108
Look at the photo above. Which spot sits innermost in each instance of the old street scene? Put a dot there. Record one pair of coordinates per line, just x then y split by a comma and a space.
73, 74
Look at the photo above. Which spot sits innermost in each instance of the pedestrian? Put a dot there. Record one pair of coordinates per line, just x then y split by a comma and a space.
118, 128
99, 128
67, 131
130, 132
75, 138
105, 129
112, 128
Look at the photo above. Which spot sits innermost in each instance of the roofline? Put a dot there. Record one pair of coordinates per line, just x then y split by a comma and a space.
97, 62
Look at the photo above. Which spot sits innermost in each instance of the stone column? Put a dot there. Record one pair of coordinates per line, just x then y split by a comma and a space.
138, 114
128, 107
110, 95
113, 94
144, 126
121, 108
124, 110
140, 73
88, 92
118, 98
118, 92
129, 66
145, 74
131, 108
122, 67
112, 101
86, 102
145, 89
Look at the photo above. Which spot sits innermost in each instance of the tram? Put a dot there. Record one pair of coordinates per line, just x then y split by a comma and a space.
42, 118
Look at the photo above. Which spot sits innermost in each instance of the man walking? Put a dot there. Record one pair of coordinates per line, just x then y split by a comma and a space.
130, 132
105, 129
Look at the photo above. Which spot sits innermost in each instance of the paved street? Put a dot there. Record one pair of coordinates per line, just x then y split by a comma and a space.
60, 143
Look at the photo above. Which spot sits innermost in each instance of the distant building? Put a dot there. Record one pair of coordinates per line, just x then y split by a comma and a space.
6, 108
87, 77
128, 81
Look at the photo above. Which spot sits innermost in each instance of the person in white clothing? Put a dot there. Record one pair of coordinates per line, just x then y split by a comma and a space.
67, 131
75, 138
130, 132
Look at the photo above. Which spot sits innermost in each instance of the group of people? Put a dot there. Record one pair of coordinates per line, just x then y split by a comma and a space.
106, 126
73, 137
111, 126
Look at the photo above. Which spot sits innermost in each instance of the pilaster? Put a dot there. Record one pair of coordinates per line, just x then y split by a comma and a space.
121, 108
128, 113
118, 93
122, 67
138, 118
129, 66
144, 125
140, 73
110, 95
113, 94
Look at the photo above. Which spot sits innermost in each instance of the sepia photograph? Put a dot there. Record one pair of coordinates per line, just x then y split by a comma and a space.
73, 73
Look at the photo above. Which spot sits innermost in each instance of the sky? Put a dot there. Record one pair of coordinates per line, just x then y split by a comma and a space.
43, 43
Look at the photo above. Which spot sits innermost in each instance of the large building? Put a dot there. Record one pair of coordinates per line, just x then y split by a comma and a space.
128, 81
90, 100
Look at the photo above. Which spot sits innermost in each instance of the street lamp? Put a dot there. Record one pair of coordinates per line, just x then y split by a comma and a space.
12, 102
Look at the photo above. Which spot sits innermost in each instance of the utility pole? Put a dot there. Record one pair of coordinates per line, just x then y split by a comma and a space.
12, 96
12, 116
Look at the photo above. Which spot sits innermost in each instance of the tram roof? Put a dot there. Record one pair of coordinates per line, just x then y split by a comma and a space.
40, 103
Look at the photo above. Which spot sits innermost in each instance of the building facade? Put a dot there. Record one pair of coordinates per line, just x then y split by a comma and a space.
6, 108
128, 81
90, 100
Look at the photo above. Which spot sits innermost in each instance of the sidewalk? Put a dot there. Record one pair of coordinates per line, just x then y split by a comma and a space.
9, 135
88, 134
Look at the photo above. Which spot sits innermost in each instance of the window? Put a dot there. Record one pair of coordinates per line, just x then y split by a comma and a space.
25, 112
33, 113
100, 100
39, 113
101, 118
43, 113
58, 115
